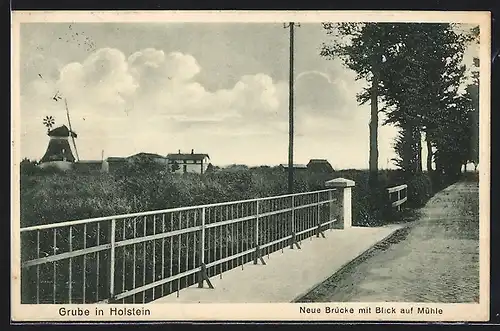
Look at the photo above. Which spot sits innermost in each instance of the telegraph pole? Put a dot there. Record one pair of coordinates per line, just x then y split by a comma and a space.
290, 110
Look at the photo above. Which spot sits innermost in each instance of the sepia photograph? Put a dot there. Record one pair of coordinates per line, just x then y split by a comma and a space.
282, 165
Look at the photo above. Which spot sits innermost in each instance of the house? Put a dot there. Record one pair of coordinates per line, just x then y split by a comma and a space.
295, 166
184, 162
319, 166
148, 157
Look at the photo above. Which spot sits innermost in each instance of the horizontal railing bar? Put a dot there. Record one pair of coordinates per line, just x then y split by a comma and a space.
315, 227
306, 230
67, 255
154, 284
152, 237
229, 258
231, 221
397, 188
399, 202
162, 211
329, 222
275, 241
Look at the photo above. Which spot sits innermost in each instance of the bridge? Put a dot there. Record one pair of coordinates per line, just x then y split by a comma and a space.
224, 252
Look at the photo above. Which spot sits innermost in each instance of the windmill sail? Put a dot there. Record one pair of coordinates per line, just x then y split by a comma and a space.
71, 129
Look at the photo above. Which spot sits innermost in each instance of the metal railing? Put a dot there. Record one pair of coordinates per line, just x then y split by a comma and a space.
398, 195
137, 258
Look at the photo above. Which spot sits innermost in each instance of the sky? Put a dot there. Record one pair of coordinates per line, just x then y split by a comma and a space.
217, 88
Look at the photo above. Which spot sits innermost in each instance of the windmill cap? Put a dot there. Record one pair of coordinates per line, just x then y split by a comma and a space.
62, 131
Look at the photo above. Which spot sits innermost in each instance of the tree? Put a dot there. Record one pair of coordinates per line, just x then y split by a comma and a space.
416, 70
406, 151
452, 139
424, 79
362, 48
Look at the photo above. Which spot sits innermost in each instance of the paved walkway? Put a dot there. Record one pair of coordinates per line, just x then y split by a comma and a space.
438, 261
287, 275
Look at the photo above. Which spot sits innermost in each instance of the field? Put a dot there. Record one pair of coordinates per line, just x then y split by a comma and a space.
49, 197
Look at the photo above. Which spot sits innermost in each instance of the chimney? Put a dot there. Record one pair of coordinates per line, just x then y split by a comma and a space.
179, 151
192, 151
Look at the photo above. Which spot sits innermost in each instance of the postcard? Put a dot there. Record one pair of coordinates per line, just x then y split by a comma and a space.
237, 165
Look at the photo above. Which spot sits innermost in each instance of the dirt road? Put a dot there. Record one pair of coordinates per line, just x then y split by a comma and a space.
436, 260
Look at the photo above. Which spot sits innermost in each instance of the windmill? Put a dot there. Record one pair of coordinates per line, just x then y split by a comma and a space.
59, 148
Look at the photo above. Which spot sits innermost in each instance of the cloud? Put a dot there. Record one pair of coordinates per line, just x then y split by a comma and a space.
103, 79
320, 95
155, 70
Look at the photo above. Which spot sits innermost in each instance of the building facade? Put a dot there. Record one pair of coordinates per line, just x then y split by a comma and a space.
319, 166
188, 162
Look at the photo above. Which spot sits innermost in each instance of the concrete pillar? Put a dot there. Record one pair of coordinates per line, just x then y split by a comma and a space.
345, 205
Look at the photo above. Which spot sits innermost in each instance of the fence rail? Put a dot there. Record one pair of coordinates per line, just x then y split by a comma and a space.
136, 258
398, 195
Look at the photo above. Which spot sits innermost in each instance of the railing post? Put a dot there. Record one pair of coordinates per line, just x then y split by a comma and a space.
293, 240
331, 206
345, 204
256, 235
399, 198
203, 272
112, 258
318, 230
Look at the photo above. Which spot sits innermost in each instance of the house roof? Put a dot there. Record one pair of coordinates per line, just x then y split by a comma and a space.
295, 165
318, 161
61, 131
152, 155
320, 165
187, 156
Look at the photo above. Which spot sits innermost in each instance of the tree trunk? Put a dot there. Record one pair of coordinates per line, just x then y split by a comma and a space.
374, 128
419, 150
429, 153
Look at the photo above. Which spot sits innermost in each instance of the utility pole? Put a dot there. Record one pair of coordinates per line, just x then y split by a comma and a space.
290, 109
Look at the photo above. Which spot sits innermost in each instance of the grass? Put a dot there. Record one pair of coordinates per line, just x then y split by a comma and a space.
55, 197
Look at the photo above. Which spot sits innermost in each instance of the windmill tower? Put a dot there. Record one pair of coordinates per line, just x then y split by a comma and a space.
58, 152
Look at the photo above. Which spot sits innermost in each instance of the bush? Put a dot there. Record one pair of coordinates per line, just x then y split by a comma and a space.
55, 197
420, 190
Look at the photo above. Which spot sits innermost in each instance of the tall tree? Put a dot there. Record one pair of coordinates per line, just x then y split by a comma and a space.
362, 48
